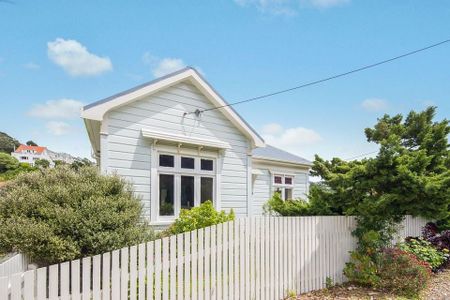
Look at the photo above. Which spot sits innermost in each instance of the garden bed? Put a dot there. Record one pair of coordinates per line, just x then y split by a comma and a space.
437, 289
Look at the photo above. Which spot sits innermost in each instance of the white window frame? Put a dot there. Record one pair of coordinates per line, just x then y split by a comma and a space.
177, 171
283, 186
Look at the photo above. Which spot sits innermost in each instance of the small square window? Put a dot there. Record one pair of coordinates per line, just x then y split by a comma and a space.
206, 164
278, 179
187, 163
166, 160
287, 180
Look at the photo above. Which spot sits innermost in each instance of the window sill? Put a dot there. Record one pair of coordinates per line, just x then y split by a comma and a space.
162, 222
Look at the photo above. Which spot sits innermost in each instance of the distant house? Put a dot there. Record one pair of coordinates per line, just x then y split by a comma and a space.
30, 154
177, 159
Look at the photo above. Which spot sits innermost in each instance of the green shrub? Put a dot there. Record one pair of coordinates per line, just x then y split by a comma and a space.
361, 269
13, 173
60, 214
199, 217
315, 206
7, 162
402, 273
425, 251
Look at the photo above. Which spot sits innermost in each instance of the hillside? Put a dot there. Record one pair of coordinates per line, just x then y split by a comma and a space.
7, 143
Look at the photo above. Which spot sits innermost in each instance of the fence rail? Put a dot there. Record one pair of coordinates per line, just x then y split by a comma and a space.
250, 258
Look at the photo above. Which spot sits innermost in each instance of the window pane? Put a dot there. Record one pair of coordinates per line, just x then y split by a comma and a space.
206, 189
278, 179
166, 160
187, 192
166, 196
187, 163
288, 180
287, 194
207, 164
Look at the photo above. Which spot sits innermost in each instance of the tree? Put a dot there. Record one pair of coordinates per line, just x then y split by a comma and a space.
79, 163
7, 143
62, 214
31, 143
410, 175
7, 162
42, 163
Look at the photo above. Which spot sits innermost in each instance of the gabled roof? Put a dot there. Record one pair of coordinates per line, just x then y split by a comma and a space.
37, 149
278, 155
96, 111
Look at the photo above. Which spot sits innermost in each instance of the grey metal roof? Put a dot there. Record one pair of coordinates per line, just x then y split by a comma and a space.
273, 153
135, 88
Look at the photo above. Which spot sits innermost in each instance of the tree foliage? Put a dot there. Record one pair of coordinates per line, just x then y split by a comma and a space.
60, 214
410, 175
31, 143
7, 143
7, 162
42, 163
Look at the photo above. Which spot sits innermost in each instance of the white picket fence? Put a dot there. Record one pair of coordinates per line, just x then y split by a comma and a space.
250, 258
14, 263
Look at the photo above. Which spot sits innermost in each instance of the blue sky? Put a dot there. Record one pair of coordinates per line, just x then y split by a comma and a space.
58, 55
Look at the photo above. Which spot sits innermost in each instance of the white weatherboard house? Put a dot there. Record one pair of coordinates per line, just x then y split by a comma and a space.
176, 160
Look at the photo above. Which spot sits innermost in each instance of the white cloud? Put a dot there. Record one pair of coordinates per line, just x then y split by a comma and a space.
31, 66
58, 128
374, 104
327, 3
167, 65
75, 58
59, 109
288, 7
162, 66
290, 139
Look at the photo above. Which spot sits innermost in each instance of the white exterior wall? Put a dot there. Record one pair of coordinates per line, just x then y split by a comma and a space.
32, 157
262, 188
127, 153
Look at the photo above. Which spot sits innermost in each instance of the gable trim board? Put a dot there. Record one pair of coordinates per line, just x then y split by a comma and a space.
131, 130
97, 110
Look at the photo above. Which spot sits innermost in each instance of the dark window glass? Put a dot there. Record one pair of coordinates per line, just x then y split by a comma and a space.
278, 179
206, 189
288, 180
187, 192
206, 164
166, 195
288, 194
166, 160
187, 163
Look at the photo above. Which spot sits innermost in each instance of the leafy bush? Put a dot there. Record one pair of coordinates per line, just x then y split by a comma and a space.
361, 269
199, 217
13, 173
315, 206
7, 162
440, 240
402, 273
60, 214
425, 251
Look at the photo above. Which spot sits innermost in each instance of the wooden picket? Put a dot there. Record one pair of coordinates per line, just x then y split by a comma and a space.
250, 258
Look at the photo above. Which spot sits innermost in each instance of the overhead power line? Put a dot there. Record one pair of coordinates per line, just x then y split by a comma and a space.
361, 155
198, 111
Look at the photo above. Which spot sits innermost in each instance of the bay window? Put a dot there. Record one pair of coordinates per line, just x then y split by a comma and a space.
183, 182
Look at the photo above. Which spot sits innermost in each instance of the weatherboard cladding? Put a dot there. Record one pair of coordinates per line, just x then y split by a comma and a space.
129, 154
99, 102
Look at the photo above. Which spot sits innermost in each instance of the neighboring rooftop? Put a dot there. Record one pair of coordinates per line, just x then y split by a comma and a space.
36, 149
273, 153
